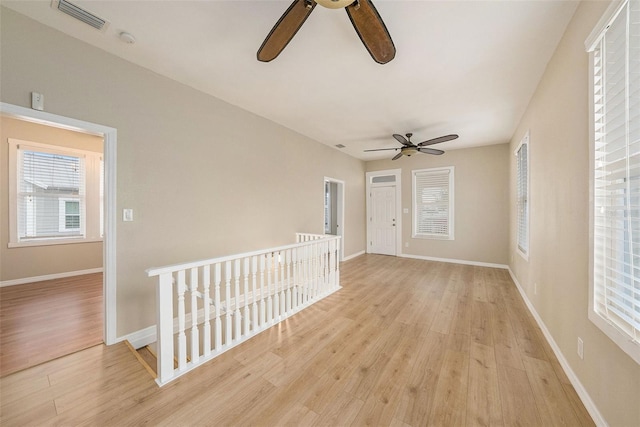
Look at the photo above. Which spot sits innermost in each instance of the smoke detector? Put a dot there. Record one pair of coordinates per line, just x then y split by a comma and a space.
80, 14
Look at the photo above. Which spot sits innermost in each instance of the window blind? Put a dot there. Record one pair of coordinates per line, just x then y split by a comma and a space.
523, 195
51, 194
433, 202
616, 263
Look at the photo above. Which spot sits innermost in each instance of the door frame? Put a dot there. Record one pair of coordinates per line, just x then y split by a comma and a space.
398, 187
339, 210
109, 135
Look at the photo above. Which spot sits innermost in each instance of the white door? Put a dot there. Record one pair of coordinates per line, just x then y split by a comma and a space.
382, 220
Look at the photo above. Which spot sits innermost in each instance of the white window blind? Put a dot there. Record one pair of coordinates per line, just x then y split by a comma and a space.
522, 155
616, 174
433, 203
51, 195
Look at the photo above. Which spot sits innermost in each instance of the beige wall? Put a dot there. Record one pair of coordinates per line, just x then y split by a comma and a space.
558, 121
481, 203
204, 178
25, 262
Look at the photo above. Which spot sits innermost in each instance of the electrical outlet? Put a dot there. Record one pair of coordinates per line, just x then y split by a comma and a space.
406, 244
580, 348
535, 288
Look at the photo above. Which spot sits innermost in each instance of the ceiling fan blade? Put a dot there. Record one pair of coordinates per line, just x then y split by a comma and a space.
382, 149
284, 30
397, 156
372, 31
431, 151
438, 140
401, 139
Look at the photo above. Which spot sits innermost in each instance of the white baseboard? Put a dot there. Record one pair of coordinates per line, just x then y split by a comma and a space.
455, 261
577, 385
352, 256
139, 339
49, 277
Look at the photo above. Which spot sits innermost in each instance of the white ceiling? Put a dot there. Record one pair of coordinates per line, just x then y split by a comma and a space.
465, 67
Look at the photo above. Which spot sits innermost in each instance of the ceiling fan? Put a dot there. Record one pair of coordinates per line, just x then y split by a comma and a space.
409, 148
363, 16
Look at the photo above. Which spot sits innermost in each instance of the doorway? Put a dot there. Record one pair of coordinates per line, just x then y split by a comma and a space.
109, 136
334, 210
384, 222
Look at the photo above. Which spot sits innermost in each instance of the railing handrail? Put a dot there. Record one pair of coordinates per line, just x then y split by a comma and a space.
157, 271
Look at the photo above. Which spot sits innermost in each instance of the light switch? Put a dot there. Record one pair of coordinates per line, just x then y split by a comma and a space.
37, 101
405, 210
127, 214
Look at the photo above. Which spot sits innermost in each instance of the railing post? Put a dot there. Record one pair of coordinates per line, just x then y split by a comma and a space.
164, 322
277, 282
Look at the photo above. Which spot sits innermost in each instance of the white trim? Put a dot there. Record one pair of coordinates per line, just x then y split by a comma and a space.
139, 339
352, 256
49, 277
605, 21
456, 261
573, 378
524, 141
340, 209
398, 186
110, 136
52, 241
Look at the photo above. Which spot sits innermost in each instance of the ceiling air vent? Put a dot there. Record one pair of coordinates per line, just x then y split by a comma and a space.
80, 14
340, 145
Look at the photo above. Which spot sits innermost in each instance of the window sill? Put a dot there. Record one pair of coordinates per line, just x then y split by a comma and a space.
523, 255
51, 242
431, 237
622, 340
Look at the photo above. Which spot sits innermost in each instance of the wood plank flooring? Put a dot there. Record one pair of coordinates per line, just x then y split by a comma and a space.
44, 320
404, 343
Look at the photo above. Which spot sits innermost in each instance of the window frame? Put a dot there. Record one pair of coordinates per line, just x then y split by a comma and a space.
93, 203
523, 250
621, 338
450, 208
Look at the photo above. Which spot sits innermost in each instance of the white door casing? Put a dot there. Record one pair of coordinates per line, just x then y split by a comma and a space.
384, 220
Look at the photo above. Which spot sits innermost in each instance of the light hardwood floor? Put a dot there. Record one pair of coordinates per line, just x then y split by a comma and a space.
404, 343
44, 320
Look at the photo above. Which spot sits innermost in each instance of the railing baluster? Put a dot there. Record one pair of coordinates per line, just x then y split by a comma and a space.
276, 283
182, 338
195, 334
227, 303
337, 244
254, 292
283, 283
269, 301
245, 298
262, 298
218, 321
287, 255
236, 298
296, 280
206, 328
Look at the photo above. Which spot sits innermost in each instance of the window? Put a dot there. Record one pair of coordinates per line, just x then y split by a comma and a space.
615, 223
433, 203
54, 194
522, 176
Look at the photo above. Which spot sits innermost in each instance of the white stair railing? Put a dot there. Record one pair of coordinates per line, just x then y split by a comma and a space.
208, 307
